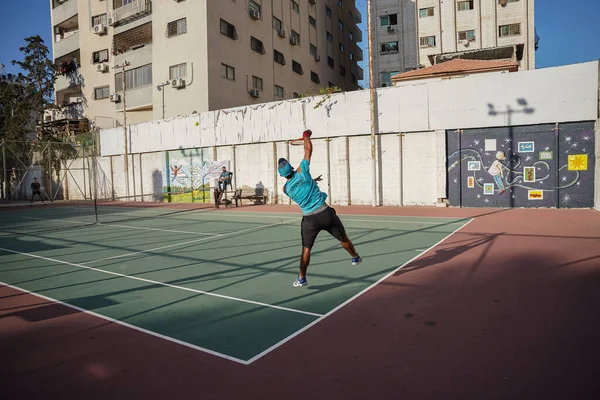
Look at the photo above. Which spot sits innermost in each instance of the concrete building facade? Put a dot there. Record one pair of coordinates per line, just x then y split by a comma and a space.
414, 33
186, 56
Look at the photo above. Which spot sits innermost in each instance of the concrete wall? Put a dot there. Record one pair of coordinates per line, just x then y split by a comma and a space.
410, 169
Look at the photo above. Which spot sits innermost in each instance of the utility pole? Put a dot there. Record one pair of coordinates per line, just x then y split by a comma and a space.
126, 159
372, 105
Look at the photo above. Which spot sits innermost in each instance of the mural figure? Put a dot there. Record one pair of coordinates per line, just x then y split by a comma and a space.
497, 171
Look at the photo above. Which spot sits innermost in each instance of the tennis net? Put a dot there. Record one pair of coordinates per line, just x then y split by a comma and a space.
27, 218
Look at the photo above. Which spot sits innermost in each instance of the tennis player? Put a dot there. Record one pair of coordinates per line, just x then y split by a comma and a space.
317, 215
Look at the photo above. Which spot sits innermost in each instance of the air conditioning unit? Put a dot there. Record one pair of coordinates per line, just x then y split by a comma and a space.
255, 93
281, 33
254, 14
390, 28
317, 57
99, 29
178, 83
294, 40
466, 42
102, 68
115, 98
110, 19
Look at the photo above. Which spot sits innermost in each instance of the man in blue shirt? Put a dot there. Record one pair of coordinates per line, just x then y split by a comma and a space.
317, 215
224, 180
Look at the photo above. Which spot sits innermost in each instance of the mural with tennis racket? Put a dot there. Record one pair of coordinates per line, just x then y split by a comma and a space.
533, 166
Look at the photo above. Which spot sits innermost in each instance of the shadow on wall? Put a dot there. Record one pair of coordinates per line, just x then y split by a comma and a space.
157, 185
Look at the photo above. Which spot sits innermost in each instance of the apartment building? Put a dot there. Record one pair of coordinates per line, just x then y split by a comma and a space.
186, 56
419, 33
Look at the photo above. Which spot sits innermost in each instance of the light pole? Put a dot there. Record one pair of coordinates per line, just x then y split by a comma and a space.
126, 160
159, 87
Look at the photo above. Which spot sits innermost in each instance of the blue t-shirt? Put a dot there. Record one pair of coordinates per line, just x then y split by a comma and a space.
303, 190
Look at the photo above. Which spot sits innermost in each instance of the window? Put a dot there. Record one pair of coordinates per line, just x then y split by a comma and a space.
313, 50
426, 12
389, 19
312, 21
314, 77
340, 3
464, 5
253, 7
341, 47
101, 92
100, 56
386, 77
178, 71
295, 37
330, 62
279, 92
351, 36
277, 24
350, 15
351, 57
352, 78
389, 47
228, 72
177, 27
342, 70
427, 41
257, 45
510, 30
297, 67
257, 83
295, 6
134, 78
329, 37
278, 57
328, 11
99, 19
467, 35
228, 30
340, 24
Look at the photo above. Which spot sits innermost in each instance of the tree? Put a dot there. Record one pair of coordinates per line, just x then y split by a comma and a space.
39, 77
327, 92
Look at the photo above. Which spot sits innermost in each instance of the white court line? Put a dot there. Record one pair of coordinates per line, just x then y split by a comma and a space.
344, 219
257, 213
275, 346
162, 230
136, 278
191, 241
137, 328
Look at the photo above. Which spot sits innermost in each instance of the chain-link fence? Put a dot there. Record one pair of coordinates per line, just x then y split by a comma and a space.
65, 170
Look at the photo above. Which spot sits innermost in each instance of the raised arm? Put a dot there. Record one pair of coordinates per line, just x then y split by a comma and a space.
308, 149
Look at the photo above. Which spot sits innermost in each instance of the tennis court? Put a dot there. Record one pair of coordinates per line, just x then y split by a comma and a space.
216, 281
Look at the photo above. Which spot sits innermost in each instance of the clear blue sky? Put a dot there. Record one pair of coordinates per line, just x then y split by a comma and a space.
569, 30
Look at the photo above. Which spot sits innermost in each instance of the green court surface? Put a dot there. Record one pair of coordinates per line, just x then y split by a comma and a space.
220, 282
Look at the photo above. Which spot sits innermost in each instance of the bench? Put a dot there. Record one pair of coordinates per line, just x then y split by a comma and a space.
258, 196
225, 197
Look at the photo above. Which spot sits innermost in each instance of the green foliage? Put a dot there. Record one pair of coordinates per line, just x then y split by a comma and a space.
39, 77
327, 92
15, 109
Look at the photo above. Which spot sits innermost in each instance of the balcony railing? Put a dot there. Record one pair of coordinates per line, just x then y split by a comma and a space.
131, 11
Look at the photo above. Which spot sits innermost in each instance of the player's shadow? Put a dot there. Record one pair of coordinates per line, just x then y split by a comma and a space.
445, 254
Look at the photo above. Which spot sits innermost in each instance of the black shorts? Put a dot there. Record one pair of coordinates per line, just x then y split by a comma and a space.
326, 220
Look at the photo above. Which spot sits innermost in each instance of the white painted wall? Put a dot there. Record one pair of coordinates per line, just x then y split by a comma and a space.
422, 111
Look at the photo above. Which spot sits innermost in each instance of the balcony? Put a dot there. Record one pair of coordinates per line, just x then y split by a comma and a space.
359, 73
135, 57
138, 98
359, 54
132, 40
68, 75
130, 12
63, 10
66, 37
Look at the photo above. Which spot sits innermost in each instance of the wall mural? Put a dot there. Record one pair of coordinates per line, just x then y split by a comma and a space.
188, 175
532, 166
